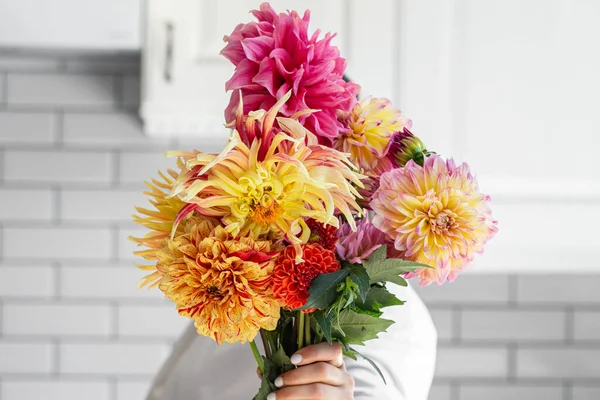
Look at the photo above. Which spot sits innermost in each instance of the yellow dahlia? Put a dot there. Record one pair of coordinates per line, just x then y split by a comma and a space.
222, 283
370, 127
435, 214
158, 220
266, 185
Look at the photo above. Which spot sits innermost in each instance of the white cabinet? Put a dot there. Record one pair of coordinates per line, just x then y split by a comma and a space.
71, 24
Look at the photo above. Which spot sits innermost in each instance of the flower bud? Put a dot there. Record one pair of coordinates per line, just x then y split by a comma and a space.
405, 147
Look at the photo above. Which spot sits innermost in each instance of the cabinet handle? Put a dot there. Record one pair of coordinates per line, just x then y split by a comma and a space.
168, 67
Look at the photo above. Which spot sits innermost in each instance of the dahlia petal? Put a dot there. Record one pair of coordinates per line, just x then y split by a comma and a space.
266, 75
242, 76
256, 49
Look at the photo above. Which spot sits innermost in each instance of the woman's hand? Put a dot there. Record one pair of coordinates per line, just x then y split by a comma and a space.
321, 374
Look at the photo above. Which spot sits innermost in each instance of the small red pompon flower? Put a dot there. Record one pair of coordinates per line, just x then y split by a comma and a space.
291, 281
325, 235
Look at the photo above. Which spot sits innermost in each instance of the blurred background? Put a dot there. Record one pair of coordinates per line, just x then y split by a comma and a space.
92, 94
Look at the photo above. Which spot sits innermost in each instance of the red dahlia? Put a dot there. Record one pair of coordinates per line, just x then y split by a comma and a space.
291, 281
325, 235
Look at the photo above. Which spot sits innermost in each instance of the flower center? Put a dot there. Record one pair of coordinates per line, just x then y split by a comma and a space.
266, 214
443, 222
214, 292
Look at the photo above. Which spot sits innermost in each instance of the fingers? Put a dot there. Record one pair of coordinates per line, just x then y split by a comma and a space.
322, 352
316, 391
320, 372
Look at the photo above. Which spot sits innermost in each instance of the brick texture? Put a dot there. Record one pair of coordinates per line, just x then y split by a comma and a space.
575, 289
503, 324
491, 289
61, 320
23, 127
132, 390
587, 326
453, 362
150, 321
57, 167
112, 359
54, 390
573, 363
25, 358
586, 393
25, 205
107, 129
27, 282
496, 392
100, 205
107, 283
57, 243
73, 159
55, 90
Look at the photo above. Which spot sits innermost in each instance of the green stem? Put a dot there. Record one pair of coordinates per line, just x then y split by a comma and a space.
257, 356
307, 330
272, 341
266, 343
300, 330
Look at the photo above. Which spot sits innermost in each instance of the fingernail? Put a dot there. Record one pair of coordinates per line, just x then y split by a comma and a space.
272, 396
296, 359
279, 381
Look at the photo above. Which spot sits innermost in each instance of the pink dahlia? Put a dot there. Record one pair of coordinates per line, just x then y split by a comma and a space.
435, 214
275, 55
357, 246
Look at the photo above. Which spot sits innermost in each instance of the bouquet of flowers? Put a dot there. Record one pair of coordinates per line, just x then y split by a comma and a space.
316, 203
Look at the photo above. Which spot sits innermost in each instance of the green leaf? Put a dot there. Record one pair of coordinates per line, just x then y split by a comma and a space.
367, 359
282, 361
378, 255
323, 291
350, 353
266, 385
389, 270
378, 298
323, 319
360, 277
358, 328
275, 366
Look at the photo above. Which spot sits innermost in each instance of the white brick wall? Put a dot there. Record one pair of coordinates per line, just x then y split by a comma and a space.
111, 359
60, 90
55, 390
57, 243
47, 167
59, 320
27, 281
40, 127
72, 164
25, 204
25, 358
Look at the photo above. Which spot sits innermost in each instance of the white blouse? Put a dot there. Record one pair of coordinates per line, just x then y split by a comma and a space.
199, 369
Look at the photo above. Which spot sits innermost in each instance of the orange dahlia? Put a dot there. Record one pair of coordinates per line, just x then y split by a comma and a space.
222, 283
292, 280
